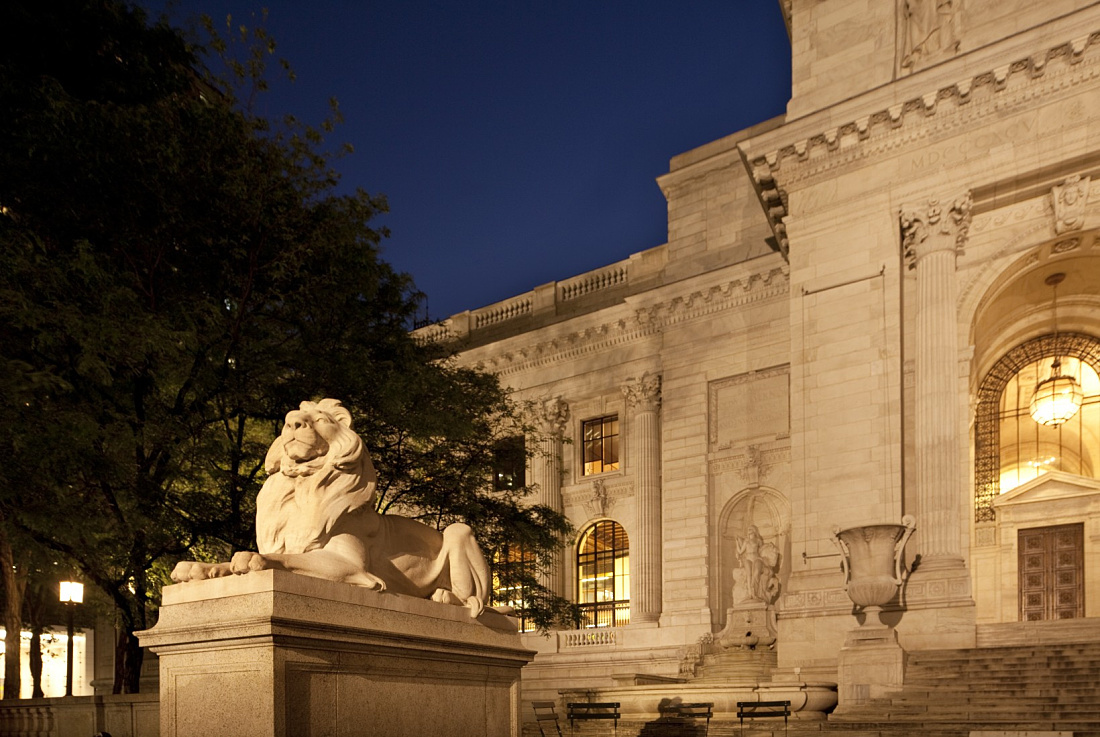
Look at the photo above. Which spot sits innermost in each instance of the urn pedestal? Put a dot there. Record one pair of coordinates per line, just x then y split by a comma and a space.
871, 663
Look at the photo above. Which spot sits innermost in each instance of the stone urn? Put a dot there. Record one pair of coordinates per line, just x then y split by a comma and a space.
872, 561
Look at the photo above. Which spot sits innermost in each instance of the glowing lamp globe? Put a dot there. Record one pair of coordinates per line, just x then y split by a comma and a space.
1056, 399
72, 592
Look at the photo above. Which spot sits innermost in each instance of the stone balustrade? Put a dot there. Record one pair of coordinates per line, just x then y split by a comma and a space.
132, 715
586, 638
549, 300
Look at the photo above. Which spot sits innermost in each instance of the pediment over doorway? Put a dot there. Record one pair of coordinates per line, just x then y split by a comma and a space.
1050, 486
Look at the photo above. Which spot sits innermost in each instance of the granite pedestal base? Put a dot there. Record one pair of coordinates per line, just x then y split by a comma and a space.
871, 665
275, 654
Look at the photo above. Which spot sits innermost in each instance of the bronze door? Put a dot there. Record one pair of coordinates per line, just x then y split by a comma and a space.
1052, 572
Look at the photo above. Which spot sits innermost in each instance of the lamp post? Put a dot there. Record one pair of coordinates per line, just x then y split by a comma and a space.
72, 593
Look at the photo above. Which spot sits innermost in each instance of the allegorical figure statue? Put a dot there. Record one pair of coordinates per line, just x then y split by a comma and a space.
756, 576
315, 515
933, 29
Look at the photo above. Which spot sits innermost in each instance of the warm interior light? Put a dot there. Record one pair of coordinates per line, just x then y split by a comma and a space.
1057, 398
72, 592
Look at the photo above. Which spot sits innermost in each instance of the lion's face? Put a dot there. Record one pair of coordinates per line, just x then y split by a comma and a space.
308, 434
315, 434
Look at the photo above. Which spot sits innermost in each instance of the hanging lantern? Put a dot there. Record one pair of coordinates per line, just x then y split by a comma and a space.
1057, 398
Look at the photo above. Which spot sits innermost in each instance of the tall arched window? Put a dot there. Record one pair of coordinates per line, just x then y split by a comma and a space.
603, 575
1010, 448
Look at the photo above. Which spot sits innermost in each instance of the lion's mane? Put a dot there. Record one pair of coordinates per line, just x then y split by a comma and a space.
300, 503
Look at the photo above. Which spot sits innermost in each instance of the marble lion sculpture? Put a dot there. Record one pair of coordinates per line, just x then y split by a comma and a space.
315, 515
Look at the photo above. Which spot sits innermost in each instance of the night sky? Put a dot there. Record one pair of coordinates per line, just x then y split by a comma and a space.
518, 142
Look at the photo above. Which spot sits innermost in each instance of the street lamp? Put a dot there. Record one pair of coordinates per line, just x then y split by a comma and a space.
72, 593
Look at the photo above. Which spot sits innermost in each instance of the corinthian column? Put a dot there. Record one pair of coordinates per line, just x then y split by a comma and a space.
931, 238
549, 417
643, 396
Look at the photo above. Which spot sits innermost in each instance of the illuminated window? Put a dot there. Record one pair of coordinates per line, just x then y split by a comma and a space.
601, 445
54, 655
603, 576
509, 464
510, 566
1010, 448
1029, 448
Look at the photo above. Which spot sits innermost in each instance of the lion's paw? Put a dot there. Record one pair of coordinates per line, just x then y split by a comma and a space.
246, 561
187, 570
193, 570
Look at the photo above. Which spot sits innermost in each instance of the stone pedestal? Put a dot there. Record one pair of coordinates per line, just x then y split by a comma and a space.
275, 654
871, 665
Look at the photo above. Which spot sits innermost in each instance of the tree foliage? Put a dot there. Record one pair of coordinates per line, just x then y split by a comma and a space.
178, 273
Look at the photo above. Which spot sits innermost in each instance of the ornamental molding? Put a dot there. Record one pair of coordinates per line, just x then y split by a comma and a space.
968, 103
753, 463
817, 602
597, 497
644, 323
1070, 201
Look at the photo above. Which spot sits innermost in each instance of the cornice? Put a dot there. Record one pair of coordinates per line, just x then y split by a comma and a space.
647, 320
817, 153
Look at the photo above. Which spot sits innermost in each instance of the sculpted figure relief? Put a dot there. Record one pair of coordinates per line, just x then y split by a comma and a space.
315, 515
932, 30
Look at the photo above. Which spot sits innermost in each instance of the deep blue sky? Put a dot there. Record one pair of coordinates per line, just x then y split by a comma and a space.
518, 141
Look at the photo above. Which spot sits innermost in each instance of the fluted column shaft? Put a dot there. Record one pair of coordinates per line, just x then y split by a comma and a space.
932, 237
550, 418
643, 398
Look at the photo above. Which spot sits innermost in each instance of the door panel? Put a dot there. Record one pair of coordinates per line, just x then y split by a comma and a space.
1051, 565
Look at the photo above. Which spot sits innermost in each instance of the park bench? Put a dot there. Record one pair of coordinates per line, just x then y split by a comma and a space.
544, 712
585, 710
762, 709
690, 712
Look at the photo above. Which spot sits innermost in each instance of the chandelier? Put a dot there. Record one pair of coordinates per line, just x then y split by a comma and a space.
1058, 397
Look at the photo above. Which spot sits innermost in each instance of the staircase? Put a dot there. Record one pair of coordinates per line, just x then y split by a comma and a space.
1019, 688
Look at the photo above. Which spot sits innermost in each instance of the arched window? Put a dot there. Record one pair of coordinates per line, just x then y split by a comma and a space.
1010, 448
603, 575
512, 568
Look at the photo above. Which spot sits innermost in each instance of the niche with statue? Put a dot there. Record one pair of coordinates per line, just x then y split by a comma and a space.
754, 566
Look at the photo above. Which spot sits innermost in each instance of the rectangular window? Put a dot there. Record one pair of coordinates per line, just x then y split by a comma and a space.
601, 445
509, 464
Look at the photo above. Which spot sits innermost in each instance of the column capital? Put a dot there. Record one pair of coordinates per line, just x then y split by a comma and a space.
934, 226
549, 415
644, 393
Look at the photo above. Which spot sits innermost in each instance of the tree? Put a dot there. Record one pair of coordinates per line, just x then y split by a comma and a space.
178, 274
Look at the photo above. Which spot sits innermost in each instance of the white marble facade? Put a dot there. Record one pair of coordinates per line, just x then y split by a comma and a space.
825, 339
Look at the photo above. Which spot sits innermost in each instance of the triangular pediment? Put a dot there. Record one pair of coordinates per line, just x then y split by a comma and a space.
1050, 486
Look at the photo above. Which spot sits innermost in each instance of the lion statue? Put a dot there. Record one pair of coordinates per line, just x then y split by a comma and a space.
315, 515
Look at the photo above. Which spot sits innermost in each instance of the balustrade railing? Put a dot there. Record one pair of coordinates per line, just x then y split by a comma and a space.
544, 299
605, 614
588, 638
501, 312
593, 281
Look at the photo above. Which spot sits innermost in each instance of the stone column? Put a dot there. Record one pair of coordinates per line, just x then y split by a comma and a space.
931, 238
550, 417
643, 396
